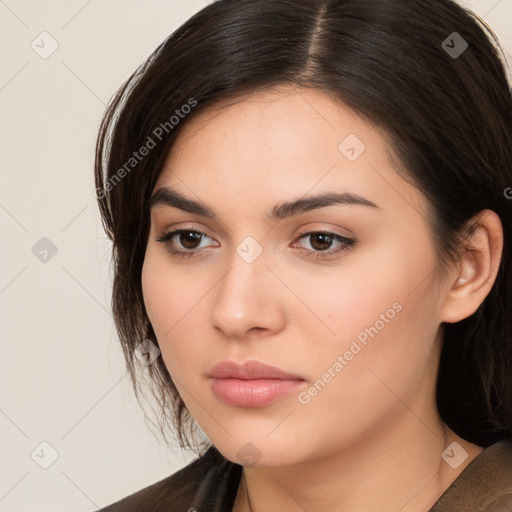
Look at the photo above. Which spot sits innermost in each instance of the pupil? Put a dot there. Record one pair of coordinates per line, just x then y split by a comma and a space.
321, 242
189, 239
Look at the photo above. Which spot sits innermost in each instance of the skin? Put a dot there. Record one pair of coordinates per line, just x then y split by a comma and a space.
372, 438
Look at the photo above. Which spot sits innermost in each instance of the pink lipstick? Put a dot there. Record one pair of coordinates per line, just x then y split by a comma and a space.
252, 384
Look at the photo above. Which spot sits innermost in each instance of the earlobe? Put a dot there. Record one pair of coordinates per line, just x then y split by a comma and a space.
477, 268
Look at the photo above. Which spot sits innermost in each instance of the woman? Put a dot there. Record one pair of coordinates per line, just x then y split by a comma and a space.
312, 243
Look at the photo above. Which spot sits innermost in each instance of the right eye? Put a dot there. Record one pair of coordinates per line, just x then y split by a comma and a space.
185, 242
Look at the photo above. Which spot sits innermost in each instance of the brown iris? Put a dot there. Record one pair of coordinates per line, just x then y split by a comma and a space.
321, 241
190, 239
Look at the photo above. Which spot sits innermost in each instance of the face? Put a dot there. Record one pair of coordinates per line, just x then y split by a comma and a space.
300, 247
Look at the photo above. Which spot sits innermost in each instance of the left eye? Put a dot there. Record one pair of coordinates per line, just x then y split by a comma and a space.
324, 242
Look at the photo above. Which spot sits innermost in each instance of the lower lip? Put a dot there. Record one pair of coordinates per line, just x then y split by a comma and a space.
253, 393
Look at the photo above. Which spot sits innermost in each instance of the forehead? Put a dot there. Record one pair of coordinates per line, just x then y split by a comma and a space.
276, 122
272, 145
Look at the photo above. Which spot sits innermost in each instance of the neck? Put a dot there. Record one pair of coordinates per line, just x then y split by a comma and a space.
397, 469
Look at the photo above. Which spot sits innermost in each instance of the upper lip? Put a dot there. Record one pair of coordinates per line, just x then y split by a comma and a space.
250, 370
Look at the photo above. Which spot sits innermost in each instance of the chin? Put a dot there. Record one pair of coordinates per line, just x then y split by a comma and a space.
258, 451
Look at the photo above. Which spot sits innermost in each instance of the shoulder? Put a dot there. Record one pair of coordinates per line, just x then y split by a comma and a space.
195, 484
484, 485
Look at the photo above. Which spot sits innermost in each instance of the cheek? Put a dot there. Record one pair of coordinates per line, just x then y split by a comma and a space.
364, 290
381, 357
379, 313
173, 302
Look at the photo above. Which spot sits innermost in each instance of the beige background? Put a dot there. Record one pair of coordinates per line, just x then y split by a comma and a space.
62, 377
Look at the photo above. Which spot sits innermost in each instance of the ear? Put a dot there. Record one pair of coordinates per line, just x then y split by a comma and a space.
477, 268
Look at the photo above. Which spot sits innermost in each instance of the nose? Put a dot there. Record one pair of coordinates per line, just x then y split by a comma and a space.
248, 301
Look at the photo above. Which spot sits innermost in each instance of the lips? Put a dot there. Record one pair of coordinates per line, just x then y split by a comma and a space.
249, 371
252, 384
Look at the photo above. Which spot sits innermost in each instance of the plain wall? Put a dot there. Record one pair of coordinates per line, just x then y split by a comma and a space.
62, 375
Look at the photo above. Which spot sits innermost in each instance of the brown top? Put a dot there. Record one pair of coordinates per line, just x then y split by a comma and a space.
210, 484
484, 486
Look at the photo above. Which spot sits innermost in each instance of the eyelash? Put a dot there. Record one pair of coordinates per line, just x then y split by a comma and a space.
346, 244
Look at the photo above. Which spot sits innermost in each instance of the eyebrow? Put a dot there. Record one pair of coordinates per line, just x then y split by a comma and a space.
165, 196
